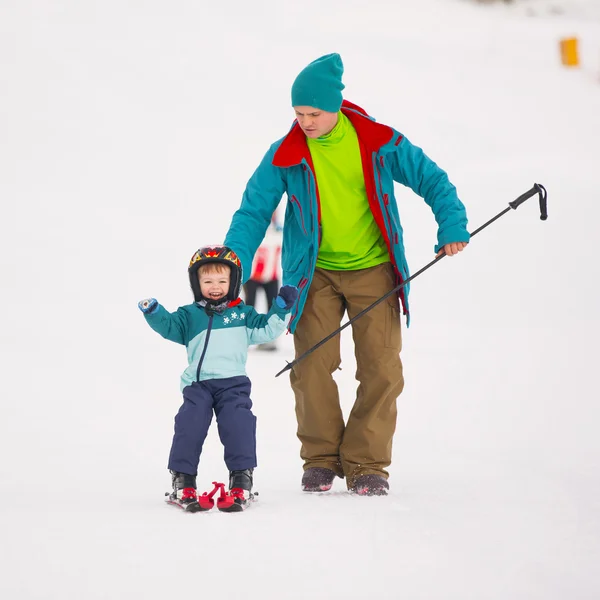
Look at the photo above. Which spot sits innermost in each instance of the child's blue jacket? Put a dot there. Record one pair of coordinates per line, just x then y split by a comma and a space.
217, 342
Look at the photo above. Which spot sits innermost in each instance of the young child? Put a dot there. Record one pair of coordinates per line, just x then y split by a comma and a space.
216, 330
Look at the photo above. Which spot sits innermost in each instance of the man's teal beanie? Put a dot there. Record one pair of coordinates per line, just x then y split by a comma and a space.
320, 84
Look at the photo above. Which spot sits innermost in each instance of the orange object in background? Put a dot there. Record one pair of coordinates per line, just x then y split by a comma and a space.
569, 53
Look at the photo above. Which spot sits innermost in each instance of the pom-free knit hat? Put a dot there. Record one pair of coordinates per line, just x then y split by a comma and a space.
320, 84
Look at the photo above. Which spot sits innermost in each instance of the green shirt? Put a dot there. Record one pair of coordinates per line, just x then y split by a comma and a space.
351, 239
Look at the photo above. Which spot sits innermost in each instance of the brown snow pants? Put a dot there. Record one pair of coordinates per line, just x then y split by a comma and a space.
363, 445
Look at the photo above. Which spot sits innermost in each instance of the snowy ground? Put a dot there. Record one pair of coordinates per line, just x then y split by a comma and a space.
128, 131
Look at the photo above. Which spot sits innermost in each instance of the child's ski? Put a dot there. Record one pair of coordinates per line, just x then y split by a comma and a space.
235, 500
190, 506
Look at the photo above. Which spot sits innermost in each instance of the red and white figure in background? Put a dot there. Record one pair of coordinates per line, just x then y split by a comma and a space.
267, 260
266, 271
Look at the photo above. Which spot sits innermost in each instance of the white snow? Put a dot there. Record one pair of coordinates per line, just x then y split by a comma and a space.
128, 131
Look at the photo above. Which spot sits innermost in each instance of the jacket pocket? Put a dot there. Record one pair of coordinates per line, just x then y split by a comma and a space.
291, 260
299, 214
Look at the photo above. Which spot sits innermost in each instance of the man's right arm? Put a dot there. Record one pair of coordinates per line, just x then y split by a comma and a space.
413, 168
249, 224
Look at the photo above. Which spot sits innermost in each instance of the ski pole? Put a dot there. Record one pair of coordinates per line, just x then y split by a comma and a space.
536, 189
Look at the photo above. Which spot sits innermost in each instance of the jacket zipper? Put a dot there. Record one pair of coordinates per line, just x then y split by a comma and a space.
394, 240
386, 198
210, 321
306, 170
301, 286
304, 280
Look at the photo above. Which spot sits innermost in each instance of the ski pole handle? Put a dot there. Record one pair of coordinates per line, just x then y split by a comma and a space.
536, 189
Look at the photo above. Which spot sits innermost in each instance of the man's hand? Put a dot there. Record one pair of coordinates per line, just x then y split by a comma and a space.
452, 249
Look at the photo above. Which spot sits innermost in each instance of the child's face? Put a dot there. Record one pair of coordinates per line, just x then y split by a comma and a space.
214, 284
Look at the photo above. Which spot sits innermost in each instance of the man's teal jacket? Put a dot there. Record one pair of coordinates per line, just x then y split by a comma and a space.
387, 156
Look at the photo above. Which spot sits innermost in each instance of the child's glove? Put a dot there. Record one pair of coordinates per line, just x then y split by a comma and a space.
148, 305
288, 294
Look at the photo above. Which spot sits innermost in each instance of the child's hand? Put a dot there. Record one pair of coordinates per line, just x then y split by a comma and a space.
288, 294
148, 305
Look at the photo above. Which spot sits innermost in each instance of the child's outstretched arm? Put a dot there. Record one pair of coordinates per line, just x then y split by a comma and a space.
172, 326
265, 328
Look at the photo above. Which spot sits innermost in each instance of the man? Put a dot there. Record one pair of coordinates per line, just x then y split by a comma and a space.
343, 249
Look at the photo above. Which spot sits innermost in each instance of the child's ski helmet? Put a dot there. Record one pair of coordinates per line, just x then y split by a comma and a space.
216, 254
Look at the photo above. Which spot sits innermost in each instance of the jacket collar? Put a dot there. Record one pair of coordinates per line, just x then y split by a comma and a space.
293, 149
220, 307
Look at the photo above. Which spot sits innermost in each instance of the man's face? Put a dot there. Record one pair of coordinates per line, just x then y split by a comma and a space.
315, 122
214, 284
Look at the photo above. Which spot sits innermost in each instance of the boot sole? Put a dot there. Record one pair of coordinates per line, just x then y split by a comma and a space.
370, 492
235, 507
313, 489
192, 507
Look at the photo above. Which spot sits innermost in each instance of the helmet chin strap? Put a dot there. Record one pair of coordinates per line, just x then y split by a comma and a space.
214, 305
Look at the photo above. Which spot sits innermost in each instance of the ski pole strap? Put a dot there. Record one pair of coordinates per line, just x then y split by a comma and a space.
536, 189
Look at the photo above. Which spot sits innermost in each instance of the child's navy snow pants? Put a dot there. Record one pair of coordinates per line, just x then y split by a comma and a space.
230, 400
